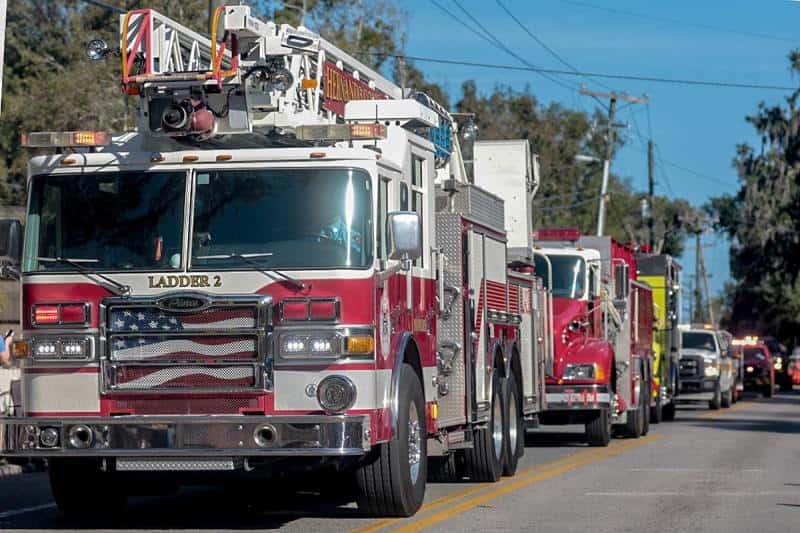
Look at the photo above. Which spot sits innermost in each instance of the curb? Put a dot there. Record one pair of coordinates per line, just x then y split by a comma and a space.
10, 470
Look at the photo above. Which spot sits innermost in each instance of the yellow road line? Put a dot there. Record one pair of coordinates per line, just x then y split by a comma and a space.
548, 469
516, 484
444, 500
721, 412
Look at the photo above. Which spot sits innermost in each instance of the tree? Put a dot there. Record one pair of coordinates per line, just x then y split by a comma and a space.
763, 223
569, 192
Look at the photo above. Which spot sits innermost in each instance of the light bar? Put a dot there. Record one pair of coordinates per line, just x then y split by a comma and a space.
747, 341
59, 139
557, 234
341, 132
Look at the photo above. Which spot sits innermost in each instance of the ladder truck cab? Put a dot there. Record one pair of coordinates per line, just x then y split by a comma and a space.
283, 267
601, 320
662, 274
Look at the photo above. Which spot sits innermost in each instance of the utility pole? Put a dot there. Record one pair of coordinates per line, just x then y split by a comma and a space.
698, 316
613, 97
651, 182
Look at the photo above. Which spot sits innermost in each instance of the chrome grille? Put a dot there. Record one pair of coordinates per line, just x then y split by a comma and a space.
691, 366
216, 344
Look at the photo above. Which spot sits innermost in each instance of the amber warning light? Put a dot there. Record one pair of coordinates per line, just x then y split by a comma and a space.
341, 132
59, 139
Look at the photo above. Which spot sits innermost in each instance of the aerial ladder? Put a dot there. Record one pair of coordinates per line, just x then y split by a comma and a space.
257, 77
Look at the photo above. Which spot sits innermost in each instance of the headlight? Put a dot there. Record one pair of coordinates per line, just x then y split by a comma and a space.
332, 343
751, 369
711, 370
581, 372
778, 364
62, 348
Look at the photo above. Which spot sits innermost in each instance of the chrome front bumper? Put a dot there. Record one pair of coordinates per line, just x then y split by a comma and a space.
577, 397
188, 436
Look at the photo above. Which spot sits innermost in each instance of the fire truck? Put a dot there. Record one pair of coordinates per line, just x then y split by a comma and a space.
283, 267
601, 320
662, 274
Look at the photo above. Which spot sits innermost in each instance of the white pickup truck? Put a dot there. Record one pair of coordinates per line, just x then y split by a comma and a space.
706, 369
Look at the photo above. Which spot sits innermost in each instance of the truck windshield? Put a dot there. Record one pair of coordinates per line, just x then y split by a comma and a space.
698, 340
289, 219
569, 274
106, 221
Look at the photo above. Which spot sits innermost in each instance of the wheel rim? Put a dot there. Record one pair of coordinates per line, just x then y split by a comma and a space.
512, 422
414, 443
497, 427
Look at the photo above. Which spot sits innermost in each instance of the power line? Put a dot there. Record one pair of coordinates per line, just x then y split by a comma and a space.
542, 43
681, 22
463, 23
499, 44
655, 79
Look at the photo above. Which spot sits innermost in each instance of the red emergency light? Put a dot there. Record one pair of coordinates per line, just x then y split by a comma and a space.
557, 234
60, 314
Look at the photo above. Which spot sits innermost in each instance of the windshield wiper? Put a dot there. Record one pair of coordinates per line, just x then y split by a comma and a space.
250, 260
119, 289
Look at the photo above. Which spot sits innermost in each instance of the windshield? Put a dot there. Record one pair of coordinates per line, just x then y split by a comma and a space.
754, 353
106, 221
569, 273
698, 340
288, 219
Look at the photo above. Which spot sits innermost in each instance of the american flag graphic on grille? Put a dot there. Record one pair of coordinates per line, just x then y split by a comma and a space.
140, 338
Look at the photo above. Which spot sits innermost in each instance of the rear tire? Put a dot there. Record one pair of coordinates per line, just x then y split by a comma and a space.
598, 430
83, 492
657, 412
634, 425
393, 482
669, 411
646, 410
514, 431
716, 401
484, 461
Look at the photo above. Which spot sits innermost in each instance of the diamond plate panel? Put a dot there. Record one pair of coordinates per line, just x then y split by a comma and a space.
199, 464
452, 406
477, 204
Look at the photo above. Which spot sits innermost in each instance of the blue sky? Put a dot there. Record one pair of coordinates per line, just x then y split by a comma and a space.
694, 127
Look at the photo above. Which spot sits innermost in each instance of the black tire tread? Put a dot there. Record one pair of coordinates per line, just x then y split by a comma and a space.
481, 464
379, 481
598, 430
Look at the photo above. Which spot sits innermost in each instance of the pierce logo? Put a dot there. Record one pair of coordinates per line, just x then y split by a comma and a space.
183, 303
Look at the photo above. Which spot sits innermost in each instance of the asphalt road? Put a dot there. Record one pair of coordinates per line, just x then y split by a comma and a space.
725, 471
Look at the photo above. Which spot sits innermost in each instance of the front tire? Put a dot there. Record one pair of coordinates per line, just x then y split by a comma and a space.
716, 401
768, 390
485, 459
514, 431
83, 492
598, 430
393, 482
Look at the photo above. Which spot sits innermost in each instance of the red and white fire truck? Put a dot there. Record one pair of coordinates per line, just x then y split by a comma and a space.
284, 266
602, 324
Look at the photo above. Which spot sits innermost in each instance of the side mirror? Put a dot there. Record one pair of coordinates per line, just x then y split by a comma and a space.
622, 287
10, 246
405, 236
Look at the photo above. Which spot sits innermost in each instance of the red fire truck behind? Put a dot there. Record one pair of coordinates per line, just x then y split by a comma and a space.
602, 323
